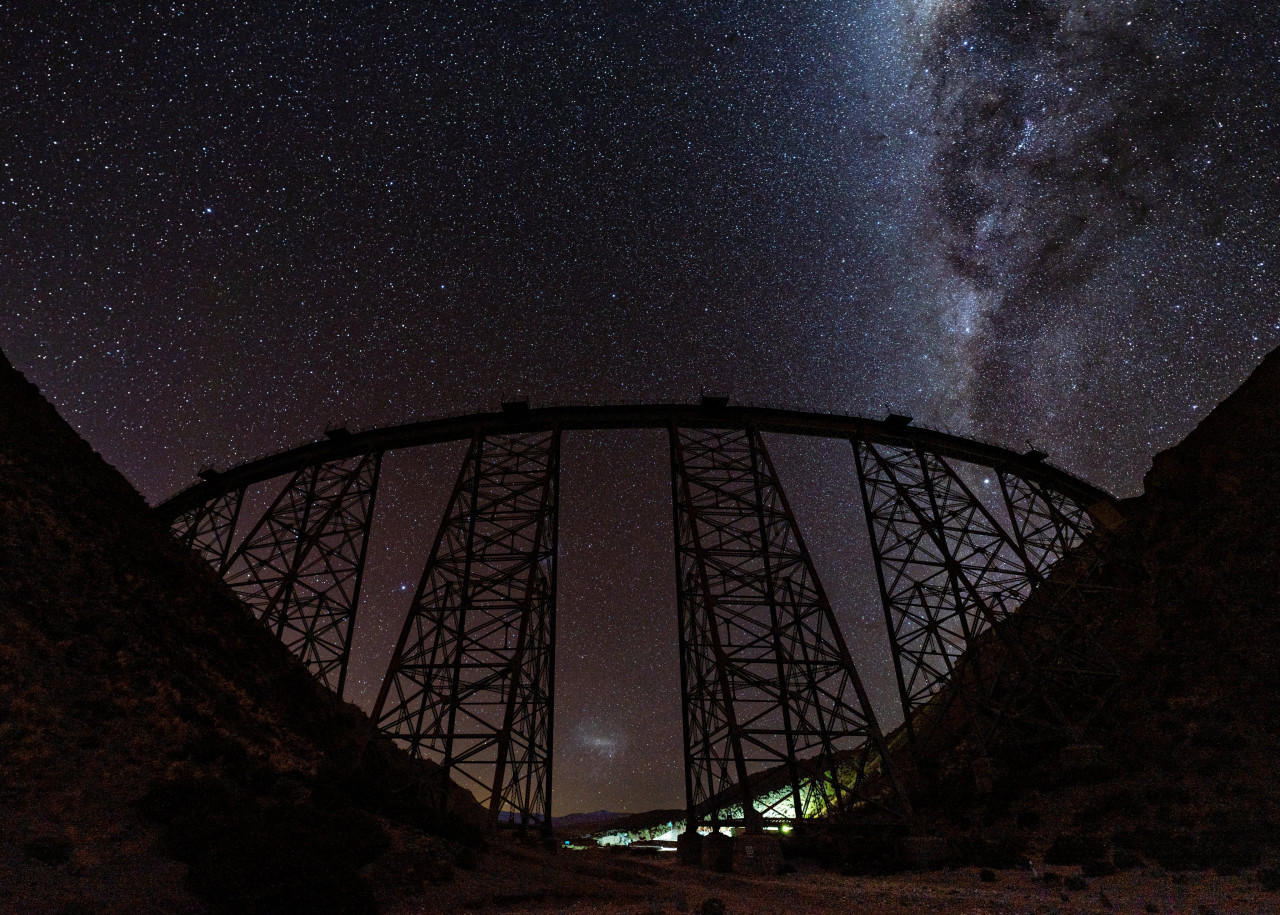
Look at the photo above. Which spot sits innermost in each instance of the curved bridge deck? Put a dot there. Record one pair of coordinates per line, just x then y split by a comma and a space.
711, 414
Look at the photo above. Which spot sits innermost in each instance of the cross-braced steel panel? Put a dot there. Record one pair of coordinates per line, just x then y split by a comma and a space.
767, 678
1069, 662
949, 570
1046, 523
301, 564
470, 683
932, 616
209, 528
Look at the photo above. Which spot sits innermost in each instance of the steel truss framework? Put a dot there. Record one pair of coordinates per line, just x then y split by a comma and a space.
208, 528
776, 723
766, 677
300, 567
949, 570
471, 680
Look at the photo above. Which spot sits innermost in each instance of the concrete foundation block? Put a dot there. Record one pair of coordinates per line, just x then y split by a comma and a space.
717, 852
757, 854
689, 848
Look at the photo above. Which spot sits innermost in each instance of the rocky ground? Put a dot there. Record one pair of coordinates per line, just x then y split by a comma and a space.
517, 878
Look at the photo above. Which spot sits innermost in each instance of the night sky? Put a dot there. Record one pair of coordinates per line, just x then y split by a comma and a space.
227, 226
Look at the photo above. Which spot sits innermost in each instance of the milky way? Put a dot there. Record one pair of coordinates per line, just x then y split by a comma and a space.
228, 226
1105, 194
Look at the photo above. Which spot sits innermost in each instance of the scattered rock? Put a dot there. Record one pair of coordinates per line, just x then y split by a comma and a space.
1072, 848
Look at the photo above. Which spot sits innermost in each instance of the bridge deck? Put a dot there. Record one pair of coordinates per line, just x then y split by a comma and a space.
709, 415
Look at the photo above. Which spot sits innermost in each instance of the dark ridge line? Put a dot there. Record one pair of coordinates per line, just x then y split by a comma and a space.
712, 414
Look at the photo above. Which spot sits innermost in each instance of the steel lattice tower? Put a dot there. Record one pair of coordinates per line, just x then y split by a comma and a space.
301, 565
470, 683
766, 676
949, 570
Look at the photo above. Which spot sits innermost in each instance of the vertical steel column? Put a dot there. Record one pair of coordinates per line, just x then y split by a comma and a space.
209, 528
301, 566
709, 696
470, 682
768, 682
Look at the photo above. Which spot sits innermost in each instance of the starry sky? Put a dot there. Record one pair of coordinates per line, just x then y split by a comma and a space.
227, 226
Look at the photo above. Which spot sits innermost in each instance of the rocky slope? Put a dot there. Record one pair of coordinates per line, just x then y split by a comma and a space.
159, 751
1176, 764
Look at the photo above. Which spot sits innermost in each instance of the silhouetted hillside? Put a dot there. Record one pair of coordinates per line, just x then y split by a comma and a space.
1171, 636
159, 750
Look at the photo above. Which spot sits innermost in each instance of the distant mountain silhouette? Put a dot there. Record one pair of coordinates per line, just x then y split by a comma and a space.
586, 819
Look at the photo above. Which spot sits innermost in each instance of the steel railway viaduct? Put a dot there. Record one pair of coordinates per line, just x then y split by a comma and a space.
777, 725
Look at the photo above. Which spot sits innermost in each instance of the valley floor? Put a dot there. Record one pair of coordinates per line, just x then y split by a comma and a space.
517, 878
